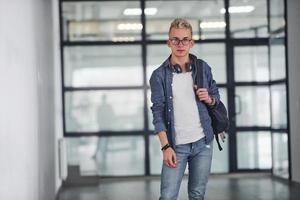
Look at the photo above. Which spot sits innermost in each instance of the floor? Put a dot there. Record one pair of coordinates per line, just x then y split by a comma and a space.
220, 187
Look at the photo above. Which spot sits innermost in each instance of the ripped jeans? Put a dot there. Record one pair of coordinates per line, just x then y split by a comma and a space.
198, 156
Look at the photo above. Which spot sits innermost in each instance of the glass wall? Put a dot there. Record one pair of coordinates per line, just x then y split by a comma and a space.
252, 107
205, 17
255, 150
250, 110
104, 110
280, 155
101, 21
97, 66
248, 19
280, 139
109, 51
106, 156
251, 63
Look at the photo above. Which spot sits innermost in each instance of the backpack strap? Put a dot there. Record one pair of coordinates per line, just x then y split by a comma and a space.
199, 83
199, 73
218, 141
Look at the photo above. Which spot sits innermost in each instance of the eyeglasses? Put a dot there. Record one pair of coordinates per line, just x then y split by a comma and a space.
184, 41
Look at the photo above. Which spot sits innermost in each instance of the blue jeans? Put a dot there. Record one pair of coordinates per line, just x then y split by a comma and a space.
198, 155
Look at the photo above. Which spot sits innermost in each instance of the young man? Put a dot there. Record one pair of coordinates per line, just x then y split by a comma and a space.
180, 115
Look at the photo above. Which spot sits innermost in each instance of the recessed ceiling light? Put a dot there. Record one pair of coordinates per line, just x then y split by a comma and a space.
238, 9
212, 25
150, 11
130, 26
138, 11
123, 39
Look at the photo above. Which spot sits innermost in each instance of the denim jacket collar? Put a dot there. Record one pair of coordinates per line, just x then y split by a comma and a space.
167, 62
193, 60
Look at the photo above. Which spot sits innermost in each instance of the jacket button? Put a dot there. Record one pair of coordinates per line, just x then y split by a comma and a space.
170, 97
169, 110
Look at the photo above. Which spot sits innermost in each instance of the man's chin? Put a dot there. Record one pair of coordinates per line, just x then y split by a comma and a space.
184, 54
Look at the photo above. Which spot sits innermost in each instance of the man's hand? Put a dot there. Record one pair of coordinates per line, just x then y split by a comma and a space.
169, 157
169, 154
203, 95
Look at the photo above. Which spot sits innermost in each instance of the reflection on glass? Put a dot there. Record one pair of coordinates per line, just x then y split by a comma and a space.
103, 66
248, 18
254, 150
277, 21
213, 54
116, 110
280, 155
205, 17
252, 105
107, 156
251, 63
90, 21
277, 54
279, 109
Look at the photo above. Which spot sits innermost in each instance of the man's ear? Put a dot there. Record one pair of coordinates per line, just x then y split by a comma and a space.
192, 43
168, 43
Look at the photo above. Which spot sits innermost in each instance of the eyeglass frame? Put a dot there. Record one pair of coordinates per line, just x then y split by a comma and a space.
178, 41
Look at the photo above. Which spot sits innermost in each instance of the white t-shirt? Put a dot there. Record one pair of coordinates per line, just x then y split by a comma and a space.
186, 115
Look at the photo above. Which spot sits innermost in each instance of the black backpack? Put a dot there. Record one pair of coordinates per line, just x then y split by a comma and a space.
218, 113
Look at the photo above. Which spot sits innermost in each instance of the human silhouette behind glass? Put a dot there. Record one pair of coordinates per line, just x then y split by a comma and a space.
105, 115
105, 120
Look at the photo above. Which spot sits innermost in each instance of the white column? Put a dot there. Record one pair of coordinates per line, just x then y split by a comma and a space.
293, 24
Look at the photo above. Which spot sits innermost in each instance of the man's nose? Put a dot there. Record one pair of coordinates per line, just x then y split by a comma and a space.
180, 43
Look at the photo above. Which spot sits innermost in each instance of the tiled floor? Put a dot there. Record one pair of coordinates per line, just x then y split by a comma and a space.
220, 187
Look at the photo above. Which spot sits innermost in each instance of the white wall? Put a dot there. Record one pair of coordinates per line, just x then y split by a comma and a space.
45, 77
57, 85
27, 109
293, 7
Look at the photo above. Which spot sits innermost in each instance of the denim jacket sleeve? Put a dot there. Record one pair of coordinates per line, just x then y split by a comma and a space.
158, 102
212, 86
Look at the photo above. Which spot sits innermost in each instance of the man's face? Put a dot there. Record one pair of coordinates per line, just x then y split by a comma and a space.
180, 41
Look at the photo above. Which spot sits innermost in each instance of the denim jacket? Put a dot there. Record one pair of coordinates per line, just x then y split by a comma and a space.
162, 102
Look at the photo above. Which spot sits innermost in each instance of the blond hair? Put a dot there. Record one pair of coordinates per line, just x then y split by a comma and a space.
181, 23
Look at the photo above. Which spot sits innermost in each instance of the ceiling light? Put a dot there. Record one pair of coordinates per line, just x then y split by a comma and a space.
130, 26
212, 25
132, 11
138, 11
123, 39
150, 11
238, 9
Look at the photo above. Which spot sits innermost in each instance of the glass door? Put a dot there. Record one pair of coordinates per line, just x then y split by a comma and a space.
252, 104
